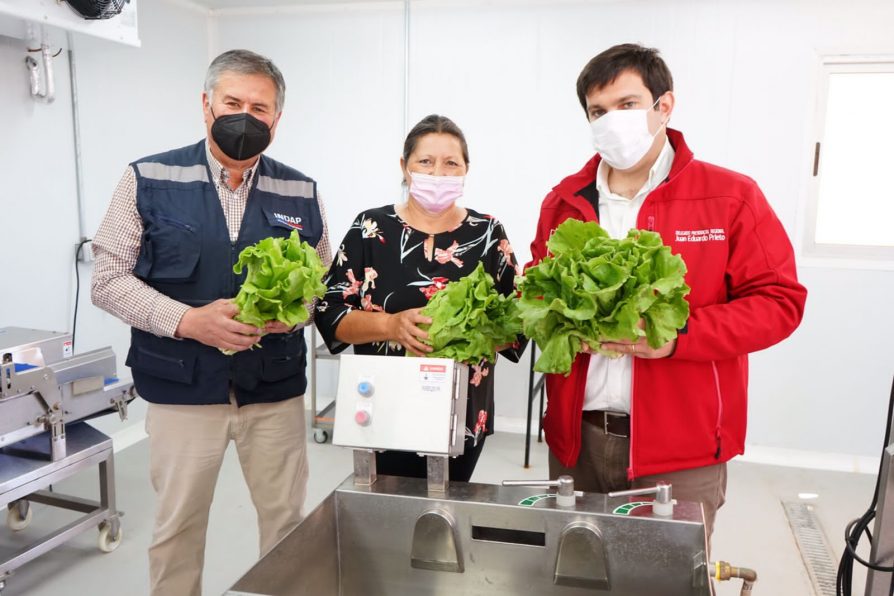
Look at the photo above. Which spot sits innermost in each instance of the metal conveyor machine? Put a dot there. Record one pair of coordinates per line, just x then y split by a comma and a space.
46, 391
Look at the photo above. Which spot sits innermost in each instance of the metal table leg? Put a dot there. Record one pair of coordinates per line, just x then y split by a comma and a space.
25, 479
530, 407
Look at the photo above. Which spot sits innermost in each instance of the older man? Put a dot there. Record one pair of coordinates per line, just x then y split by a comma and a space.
164, 265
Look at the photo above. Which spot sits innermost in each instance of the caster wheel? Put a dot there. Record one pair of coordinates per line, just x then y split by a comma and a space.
107, 542
320, 436
18, 516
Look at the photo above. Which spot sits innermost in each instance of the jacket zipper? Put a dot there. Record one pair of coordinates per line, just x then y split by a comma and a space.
233, 258
719, 408
630, 475
579, 407
650, 223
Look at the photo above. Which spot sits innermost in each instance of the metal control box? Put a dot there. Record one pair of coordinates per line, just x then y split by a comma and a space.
406, 404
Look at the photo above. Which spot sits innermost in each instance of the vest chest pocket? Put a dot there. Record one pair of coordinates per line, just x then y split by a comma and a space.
300, 214
170, 250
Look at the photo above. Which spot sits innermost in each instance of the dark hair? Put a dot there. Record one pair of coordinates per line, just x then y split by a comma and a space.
434, 123
605, 68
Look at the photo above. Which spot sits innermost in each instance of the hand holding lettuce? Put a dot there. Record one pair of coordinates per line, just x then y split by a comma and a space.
593, 288
470, 319
283, 276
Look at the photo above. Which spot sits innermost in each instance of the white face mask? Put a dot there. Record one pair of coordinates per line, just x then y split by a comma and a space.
622, 137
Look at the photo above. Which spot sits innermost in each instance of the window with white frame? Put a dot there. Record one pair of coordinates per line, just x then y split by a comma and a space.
851, 208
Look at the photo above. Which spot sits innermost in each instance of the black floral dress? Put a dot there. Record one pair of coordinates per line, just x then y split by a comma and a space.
384, 265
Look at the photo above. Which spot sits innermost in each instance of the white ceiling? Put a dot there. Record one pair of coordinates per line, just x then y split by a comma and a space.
220, 4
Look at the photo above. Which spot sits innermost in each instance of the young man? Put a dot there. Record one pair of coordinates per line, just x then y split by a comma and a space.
676, 413
164, 264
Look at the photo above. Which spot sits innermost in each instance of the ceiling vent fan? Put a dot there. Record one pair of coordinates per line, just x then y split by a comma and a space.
98, 9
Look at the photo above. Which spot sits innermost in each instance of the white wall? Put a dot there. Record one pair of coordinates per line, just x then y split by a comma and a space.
132, 102
38, 213
745, 75
343, 119
135, 102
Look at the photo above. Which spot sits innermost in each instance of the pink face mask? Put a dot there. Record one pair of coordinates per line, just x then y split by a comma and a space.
436, 194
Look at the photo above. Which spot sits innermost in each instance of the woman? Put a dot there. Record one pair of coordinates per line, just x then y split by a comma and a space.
395, 258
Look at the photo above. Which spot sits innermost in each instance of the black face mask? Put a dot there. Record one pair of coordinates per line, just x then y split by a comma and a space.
240, 136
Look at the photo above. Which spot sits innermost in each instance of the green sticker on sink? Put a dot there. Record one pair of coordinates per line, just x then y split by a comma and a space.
626, 508
533, 500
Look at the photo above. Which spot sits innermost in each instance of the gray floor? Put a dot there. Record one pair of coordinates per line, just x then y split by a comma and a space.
752, 529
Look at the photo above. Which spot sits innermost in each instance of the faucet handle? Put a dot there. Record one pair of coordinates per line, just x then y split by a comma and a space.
566, 494
663, 504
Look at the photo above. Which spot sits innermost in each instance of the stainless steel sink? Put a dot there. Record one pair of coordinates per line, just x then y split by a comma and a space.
396, 537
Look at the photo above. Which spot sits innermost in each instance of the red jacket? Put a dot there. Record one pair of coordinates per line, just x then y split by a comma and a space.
689, 410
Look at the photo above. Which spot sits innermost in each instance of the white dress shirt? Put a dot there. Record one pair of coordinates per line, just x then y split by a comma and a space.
609, 380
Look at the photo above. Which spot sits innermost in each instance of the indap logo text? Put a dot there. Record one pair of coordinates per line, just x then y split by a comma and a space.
292, 222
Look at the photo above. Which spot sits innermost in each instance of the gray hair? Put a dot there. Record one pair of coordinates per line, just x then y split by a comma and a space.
248, 63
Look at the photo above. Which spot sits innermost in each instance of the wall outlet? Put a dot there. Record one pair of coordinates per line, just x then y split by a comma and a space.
86, 253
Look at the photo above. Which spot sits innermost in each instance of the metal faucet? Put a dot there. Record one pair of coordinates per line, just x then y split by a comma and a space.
663, 504
566, 494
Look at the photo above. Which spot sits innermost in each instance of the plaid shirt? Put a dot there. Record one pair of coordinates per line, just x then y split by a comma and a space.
116, 247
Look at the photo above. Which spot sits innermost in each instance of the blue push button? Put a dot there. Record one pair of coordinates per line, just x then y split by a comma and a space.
365, 388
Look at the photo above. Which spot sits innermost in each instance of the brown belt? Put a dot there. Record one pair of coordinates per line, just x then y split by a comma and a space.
611, 423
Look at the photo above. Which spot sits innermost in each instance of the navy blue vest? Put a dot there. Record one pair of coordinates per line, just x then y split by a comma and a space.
186, 254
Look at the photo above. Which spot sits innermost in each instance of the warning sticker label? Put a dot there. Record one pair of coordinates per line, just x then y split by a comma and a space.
433, 377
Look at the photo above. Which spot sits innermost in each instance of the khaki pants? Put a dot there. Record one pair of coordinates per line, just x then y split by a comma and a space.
186, 448
602, 467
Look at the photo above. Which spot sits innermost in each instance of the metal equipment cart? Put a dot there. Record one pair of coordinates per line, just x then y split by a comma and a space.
534, 388
46, 391
26, 471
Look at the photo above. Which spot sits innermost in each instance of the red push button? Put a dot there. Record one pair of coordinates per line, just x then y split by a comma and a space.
362, 417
